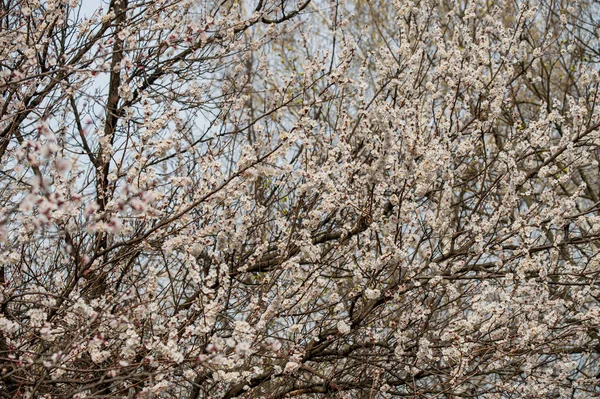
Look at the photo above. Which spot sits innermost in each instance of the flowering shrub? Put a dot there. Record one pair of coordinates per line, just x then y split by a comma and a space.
269, 199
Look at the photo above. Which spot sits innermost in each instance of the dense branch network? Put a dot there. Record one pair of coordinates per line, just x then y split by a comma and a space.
274, 199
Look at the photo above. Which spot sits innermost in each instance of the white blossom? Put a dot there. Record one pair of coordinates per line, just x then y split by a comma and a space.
343, 327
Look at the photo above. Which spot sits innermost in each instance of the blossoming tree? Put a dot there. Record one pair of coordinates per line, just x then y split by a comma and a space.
269, 199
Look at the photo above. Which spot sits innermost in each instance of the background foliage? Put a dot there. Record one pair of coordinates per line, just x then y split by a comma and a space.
269, 199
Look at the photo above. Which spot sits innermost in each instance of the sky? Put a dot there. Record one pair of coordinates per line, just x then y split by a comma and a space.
89, 6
